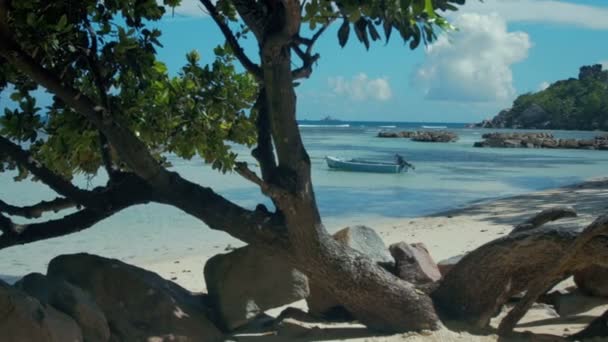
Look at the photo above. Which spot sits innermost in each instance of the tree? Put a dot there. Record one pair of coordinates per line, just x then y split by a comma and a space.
115, 107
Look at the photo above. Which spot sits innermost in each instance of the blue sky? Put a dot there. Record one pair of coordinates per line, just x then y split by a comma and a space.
502, 48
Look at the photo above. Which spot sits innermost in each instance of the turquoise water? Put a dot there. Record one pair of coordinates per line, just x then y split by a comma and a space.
447, 176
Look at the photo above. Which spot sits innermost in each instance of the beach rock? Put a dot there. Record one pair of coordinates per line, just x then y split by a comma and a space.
71, 301
246, 282
414, 264
139, 305
24, 318
593, 281
363, 239
385, 134
446, 265
434, 136
538, 140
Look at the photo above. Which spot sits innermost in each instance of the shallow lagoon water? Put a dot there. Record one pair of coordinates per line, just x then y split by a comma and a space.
447, 176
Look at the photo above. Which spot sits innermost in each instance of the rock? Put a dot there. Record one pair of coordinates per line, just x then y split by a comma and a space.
434, 136
246, 282
512, 143
537, 140
593, 281
366, 241
414, 264
423, 136
363, 239
71, 301
139, 305
23, 318
446, 265
532, 115
384, 134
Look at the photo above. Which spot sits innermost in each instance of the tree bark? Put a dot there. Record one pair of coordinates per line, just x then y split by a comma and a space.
597, 329
375, 297
533, 261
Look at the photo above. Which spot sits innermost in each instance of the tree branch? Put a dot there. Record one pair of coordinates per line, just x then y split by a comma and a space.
253, 16
308, 59
55, 182
131, 190
36, 210
213, 209
264, 151
81, 220
102, 89
268, 189
542, 284
547, 215
251, 67
106, 157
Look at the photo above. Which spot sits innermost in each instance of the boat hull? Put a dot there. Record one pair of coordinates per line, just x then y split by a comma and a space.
362, 166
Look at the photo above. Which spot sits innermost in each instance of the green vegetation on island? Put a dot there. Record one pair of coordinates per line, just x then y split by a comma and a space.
573, 104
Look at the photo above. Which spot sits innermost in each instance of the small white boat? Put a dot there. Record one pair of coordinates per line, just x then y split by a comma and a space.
362, 165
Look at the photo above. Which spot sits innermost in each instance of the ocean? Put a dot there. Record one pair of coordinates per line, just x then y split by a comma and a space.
447, 176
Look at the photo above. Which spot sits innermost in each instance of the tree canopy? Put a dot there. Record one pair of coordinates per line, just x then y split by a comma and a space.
115, 107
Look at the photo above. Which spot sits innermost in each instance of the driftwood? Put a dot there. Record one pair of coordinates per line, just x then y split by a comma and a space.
531, 261
598, 328
545, 216
588, 247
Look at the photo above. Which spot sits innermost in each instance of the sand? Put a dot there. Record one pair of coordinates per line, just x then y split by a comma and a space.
445, 234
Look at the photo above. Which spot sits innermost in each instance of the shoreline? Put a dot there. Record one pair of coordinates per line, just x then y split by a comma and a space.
446, 233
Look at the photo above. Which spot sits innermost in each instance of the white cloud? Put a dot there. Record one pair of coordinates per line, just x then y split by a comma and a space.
360, 87
544, 85
548, 11
474, 63
188, 8
604, 64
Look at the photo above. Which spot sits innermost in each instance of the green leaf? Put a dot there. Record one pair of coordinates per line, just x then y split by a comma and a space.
388, 28
63, 22
343, 33
373, 32
360, 30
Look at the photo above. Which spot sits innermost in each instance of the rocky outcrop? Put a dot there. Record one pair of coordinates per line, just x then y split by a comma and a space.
139, 305
592, 281
24, 318
363, 239
414, 264
572, 104
540, 140
246, 282
423, 136
71, 301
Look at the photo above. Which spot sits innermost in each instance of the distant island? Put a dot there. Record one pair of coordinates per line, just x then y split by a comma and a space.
329, 119
573, 104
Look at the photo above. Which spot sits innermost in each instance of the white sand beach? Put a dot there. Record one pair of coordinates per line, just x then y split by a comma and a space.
445, 234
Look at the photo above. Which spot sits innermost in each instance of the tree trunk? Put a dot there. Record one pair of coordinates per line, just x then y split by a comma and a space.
375, 297
533, 261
